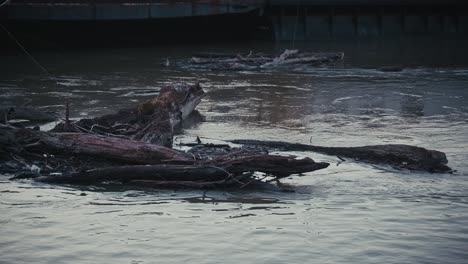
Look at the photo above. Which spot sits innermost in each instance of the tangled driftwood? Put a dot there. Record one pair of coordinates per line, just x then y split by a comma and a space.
128, 147
133, 146
83, 158
152, 121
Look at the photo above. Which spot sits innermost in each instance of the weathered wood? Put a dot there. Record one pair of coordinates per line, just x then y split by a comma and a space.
111, 148
208, 171
164, 172
279, 166
397, 155
152, 121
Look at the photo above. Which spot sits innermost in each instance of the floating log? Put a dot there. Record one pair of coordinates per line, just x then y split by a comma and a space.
230, 171
128, 173
397, 155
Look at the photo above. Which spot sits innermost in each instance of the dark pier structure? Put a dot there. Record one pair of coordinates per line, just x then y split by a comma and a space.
312, 19
94, 22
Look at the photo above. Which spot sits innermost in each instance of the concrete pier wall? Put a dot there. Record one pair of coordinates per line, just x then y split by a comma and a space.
308, 22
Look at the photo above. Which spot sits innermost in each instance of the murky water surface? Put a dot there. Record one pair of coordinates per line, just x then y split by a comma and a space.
347, 213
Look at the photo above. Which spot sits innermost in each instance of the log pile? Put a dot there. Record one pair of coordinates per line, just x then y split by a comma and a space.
78, 158
260, 61
133, 146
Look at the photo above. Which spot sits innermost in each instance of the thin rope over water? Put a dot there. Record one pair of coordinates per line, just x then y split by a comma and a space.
4, 3
295, 25
26, 52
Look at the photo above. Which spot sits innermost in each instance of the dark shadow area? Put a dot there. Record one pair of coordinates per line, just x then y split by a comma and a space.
62, 35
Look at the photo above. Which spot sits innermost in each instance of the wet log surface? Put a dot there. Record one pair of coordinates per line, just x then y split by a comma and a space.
396, 155
260, 61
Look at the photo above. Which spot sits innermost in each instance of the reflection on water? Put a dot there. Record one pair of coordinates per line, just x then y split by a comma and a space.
349, 212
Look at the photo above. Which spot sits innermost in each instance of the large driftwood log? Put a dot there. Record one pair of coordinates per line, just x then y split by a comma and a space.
162, 172
230, 171
397, 155
110, 148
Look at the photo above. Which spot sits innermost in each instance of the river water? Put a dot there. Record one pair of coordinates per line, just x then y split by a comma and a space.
348, 213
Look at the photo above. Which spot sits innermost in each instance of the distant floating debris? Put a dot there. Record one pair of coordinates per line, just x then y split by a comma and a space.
260, 61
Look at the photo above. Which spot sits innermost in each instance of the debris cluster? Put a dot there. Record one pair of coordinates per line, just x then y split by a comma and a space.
133, 146
260, 61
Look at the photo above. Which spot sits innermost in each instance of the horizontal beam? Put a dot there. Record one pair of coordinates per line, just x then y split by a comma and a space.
364, 3
121, 10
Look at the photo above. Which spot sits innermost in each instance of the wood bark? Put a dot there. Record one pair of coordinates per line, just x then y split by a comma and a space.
110, 148
161, 172
141, 161
229, 171
152, 121
280, 166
